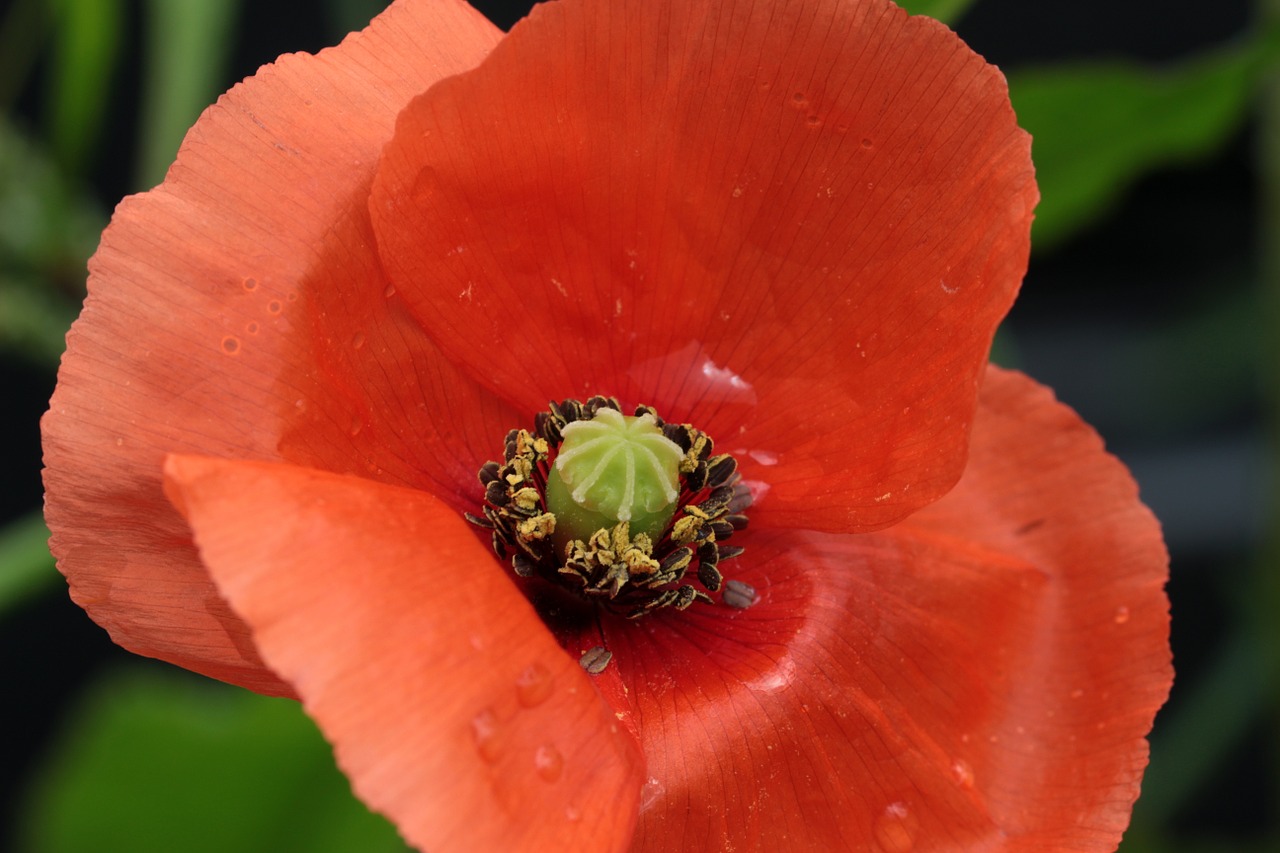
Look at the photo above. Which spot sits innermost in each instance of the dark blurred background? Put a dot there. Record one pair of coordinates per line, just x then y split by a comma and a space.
1152, 306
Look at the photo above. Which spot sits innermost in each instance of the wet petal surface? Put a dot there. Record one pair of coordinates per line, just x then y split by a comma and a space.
793, 224
471, 731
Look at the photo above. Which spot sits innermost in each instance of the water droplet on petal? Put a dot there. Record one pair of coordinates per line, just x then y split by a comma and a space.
1122, 615
357, 340
356, 425
896, 828
274, 306
231, 345
390, 291
548, 762
867, 143
573, 814
250, 283
533, 686
251, 328
962, 773
487, 731
650, 792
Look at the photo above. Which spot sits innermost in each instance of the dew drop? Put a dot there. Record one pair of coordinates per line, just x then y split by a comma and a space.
231, 345
651, 791
251, 328
119, 442
573, 814
293, 296
390, 291
798, 97
533, 686
357, 340
487, 732
866, 143
896, 828
274, 306
962, 773
250, 283
549, 763
357, 424
1122, 615
814, 121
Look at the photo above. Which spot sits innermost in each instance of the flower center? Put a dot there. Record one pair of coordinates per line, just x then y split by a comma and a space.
613, 468
619, 509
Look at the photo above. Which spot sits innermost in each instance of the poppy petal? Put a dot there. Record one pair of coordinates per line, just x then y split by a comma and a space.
378, 605
981, 679
1040, 487
794, 224
208, 301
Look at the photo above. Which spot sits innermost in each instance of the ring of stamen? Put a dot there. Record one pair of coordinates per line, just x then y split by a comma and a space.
631, 570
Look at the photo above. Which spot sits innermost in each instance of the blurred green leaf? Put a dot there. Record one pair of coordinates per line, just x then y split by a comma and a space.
26, 568
188, 44
157, 762
47, 232
1097, 127
1195, 737
348, 16
33, 323
947, 11
86, 49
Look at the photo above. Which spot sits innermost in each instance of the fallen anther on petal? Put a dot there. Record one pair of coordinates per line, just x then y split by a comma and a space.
739, 594
595, 659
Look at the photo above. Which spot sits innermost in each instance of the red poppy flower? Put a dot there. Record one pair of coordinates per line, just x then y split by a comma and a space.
792, 224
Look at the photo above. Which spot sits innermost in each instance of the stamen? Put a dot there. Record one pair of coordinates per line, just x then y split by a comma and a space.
620, 510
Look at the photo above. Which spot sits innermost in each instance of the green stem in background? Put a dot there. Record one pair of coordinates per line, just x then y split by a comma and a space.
947, 11
187, 46
86, 52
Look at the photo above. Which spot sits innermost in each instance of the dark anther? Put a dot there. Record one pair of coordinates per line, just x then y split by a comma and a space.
629, 575
495, 494
696, 479
685, 597
678, 434
720, 469
722, 529
674, 564
709, 576
524, 567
